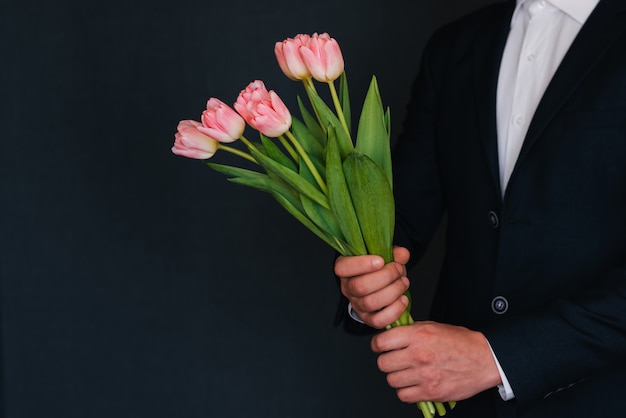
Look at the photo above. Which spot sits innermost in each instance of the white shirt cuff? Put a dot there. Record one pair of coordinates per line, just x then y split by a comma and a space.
505, 389
353, 314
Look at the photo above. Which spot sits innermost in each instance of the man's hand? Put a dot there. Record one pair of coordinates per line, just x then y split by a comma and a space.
429, 361
375, 289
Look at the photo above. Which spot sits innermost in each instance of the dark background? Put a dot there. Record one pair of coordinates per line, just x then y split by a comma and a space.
135, 283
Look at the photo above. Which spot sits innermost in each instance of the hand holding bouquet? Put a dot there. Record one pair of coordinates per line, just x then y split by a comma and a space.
336, 183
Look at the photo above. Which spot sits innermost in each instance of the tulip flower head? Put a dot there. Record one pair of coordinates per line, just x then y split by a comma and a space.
263, 110
191, 143
323, 57
221, 122
289, 58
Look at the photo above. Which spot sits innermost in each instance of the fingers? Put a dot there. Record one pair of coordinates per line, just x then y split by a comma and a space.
434, 361
353, 266
380, 319
378, 298
368, 284
393, 339
375, 289
401, 255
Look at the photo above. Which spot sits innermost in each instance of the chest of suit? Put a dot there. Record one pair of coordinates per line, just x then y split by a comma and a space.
561, 220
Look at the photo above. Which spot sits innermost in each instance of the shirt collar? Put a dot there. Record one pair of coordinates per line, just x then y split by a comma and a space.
577, 9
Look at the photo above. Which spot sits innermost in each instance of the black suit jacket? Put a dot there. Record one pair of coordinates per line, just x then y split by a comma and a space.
541, 270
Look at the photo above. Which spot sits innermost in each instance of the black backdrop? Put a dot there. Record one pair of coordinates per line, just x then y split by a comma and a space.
140, 284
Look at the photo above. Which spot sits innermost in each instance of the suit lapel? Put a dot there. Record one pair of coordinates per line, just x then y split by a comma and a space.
488, 50
602, 27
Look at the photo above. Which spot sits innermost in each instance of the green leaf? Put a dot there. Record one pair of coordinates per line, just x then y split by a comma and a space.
339, 197
319, 166
304, 220
285, 195
287, 191
328, 118
322, 217
388, 122
373, 133
312, 123
291, 177
275, 153
234, 171
307, 139
373, 202
344, 98
256, 180
305, 172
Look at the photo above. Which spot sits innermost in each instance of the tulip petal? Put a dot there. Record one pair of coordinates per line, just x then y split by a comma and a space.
216, 134
282, 62
221, 122
294, 61
314, 64
190, 142
333, 60
263, 109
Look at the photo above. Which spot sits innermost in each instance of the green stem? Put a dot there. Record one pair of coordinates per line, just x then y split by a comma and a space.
289, 148
237, 152
245, 141
424, 407
340, 115
308, 162
248, 144
309, 82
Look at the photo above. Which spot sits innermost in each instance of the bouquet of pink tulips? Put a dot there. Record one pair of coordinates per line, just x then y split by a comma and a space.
340, 188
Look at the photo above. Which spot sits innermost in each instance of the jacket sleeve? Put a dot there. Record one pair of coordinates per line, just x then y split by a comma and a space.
566, 342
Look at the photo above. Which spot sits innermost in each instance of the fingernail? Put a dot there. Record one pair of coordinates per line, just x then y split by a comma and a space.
377, 262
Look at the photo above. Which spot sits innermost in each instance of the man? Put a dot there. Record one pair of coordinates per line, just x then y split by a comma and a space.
517, 133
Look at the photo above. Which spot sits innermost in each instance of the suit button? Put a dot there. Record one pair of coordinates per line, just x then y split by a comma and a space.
493, 219
499, 305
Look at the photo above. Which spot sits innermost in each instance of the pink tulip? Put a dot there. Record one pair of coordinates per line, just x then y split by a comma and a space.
191, 143
289, 57
221, 122
263, 110
322, 57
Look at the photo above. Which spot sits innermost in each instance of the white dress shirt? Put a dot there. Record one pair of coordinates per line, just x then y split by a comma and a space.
541, 33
